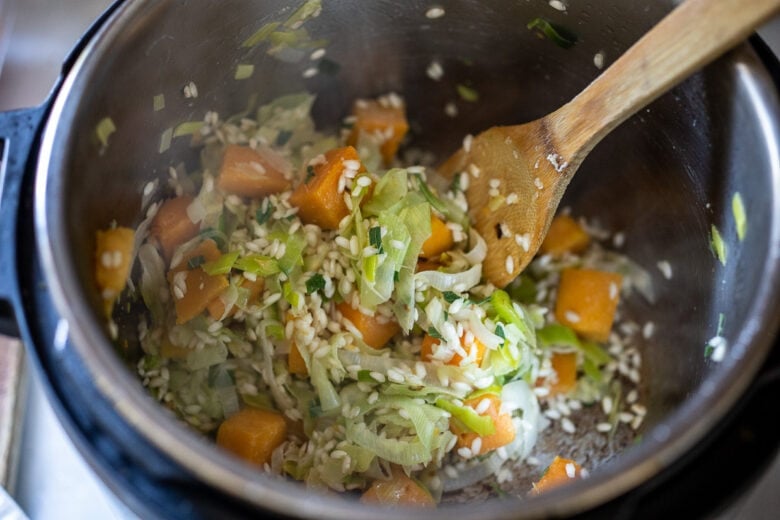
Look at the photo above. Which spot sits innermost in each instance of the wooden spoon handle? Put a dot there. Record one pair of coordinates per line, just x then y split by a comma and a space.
695, 33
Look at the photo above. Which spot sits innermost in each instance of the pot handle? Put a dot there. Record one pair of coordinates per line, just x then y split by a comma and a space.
18, 131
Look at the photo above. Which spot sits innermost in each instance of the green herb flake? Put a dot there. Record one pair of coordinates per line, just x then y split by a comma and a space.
450, 296
262, 215
315, 408
740, 217
158, 102
467, 93
196, 261
432, 332
500, 331
718, 245
244, 71
315, 283
309, 174
364, 376
375, 238
283, 137
561, 36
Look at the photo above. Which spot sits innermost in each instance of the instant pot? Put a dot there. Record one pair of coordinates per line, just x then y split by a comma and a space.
663, 179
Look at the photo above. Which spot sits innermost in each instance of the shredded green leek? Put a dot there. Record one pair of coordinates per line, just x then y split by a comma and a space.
718, 245
158, 102
561, 36
740, 217
221, 265
482, 425
244, 71
261, 34
187, 128
104, 129
258, 265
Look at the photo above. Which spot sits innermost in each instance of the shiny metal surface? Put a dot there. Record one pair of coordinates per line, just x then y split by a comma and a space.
664, 177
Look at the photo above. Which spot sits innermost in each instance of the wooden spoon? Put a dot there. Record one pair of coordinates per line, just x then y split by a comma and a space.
518, 173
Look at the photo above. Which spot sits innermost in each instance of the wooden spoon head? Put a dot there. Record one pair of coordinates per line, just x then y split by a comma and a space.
516, 180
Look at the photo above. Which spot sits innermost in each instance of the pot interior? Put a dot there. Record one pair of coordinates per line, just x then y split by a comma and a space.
662, 179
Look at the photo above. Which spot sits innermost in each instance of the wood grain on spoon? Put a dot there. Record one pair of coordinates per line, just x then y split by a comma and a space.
519, 173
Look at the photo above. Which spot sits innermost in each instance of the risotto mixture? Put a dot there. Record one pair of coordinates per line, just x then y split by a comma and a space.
317, 306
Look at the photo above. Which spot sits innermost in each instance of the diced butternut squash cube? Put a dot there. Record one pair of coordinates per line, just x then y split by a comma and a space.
216, 306
172, 226
475, 350
383, 121
565, 366
253, 434
440, 241
587, 300
505, 429
318, 198
199, 289
295, 363
192, 288
376, 330
112, 263
564, 236
252, 173
398, 490
559, 472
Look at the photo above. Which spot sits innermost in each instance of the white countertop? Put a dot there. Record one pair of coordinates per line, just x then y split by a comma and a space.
53, 481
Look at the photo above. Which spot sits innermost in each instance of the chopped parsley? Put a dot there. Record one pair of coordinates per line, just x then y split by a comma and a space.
262, 216
315, 283
283, 137
309, 174
375, 238
196, 261
432, 332
450, 296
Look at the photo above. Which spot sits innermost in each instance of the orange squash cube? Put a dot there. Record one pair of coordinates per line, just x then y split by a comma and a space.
564, 236
198, 288
587, 300
295, 363
253, 434
426, 351
318, 198
440, 241
376, 332
252, 173
505, 429
559, 472
399, 490
565, 366
112, 263
171, 226
381, 121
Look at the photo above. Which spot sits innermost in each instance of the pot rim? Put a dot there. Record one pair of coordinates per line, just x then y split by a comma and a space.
662, 445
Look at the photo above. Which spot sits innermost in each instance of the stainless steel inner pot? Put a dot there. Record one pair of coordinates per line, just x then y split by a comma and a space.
663, 178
